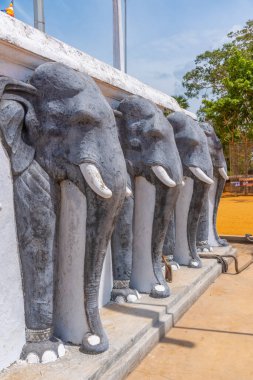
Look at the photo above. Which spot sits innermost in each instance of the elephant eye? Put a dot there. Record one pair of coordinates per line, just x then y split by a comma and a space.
135, 144
155, 133
82, 118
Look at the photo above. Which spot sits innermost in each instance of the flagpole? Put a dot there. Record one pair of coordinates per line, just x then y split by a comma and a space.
39, 18
118, 45
125, 39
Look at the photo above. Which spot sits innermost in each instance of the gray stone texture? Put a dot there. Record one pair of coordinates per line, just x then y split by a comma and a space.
147, 140
49, 128
194, 153
218, 161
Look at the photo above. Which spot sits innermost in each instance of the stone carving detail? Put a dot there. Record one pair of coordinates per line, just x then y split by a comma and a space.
197, 165
60, 127
150, 151
220, 176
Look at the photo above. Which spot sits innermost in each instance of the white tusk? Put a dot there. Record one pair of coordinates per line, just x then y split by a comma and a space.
162, 175
94, 180
201, 175
183, 183
128, 192
223, 173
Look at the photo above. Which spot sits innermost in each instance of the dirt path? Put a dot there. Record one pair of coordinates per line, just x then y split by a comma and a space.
214, 340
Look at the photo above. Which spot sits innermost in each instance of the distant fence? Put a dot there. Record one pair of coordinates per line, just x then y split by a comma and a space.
240, 168
241, 158
240, 185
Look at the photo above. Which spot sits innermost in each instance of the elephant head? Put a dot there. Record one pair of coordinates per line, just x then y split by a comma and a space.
74, 137
194, 153
150, 151
220, 176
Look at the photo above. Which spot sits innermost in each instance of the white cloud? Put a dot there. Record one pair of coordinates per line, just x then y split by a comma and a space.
163, 62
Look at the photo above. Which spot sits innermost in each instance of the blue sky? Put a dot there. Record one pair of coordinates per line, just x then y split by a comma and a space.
164, 36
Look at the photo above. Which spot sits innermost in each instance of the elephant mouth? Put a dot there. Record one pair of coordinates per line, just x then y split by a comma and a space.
95, 181
163, 176
223, 173
197, 172
163, 173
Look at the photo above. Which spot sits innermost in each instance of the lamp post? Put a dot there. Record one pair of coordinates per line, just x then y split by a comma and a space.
39, 18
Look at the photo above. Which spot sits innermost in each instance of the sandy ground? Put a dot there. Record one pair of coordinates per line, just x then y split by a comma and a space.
214, 339
235, 215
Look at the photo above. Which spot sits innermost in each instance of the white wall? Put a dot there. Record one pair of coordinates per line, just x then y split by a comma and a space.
12, 325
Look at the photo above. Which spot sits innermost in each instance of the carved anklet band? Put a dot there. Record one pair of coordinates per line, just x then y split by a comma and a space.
202, 242
121, 284
38, 335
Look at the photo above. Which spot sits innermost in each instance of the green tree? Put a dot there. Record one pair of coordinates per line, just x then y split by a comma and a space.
182, 101
224, 79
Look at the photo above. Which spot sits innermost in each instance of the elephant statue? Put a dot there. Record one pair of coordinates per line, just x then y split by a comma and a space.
60, 127
150, 151
207, 236
181, 240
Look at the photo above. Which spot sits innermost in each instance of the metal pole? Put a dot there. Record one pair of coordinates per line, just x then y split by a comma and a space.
118, 46
39, 18
125, 36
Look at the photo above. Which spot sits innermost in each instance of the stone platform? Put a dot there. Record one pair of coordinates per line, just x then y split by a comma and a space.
133, 330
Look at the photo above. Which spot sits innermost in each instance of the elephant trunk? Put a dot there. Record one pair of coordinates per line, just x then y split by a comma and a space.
101, 217
165, 203
199, 197
219, 190
203, 227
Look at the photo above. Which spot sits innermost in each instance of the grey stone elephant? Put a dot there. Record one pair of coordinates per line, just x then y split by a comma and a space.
60, 127
207, 230
150, 151
197, 166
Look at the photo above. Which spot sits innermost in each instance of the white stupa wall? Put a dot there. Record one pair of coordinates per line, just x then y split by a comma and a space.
12, 323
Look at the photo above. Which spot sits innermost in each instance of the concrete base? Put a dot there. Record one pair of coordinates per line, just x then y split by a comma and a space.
133, 330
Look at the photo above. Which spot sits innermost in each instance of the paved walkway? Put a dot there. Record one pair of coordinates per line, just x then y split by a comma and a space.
214, 339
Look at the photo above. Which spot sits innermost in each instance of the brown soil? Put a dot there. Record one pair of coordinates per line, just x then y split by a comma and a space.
235, 215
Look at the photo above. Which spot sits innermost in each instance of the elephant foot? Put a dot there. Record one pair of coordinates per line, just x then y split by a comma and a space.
203, 246
94, 344
160, 291
223, 242
195, 263
174, 265
125, 295
43, 352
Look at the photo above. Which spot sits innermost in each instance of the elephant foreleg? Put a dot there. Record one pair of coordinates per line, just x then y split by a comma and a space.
36, 219
165, 202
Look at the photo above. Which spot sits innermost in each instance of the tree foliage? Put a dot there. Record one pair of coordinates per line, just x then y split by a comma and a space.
224, 79
182, 101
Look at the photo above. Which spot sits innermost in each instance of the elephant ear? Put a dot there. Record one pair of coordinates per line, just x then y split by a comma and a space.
17, 116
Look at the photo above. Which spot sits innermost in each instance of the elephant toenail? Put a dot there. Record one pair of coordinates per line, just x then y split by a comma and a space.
93, 340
